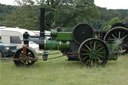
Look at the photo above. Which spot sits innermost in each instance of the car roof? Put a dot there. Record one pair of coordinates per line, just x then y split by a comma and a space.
17, 30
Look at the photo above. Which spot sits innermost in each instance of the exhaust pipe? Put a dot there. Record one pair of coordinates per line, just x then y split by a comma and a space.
42, 27
42, 21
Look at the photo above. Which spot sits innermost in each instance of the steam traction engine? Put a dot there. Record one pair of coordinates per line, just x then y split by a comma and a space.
80, 45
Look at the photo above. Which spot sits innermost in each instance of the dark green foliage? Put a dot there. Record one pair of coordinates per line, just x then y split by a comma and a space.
109, 17
5, 10
23, 17
63, 13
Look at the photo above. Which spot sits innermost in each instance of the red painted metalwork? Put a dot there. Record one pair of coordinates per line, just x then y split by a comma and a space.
24, 50
17, 59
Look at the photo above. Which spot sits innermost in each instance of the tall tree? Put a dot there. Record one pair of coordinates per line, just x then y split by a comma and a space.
65, 13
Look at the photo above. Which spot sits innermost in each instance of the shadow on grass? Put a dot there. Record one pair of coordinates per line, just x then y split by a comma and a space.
70, 64
57, 63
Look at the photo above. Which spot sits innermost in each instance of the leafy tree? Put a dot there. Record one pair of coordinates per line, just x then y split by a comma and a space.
23, 17
64, 13
4, 10
110, 23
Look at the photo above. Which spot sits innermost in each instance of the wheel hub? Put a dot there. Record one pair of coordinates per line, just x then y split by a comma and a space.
93, 54
118, 41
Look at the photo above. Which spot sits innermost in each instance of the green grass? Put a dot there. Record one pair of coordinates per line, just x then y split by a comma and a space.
61, 72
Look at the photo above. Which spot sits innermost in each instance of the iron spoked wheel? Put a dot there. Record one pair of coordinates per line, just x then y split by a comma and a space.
119, 37
29, 60
93, 51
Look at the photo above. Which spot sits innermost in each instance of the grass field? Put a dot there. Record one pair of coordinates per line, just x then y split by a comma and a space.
61, 72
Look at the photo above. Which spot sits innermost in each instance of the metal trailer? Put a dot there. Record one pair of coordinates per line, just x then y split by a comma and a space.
83, 44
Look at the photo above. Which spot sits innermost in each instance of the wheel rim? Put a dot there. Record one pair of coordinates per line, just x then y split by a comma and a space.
118, 36
93, 51
27, 61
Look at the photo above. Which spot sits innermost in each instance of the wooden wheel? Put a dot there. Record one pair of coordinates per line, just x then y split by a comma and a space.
93, 51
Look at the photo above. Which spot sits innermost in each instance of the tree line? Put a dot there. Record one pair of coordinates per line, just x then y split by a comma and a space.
62, 13
5, 10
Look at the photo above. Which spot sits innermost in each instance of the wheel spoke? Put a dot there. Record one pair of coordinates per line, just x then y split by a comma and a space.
31, 59
125, 45
85, 50
91, 44
113, 36
94, 45
88, 61
85, 58
97, 46
119, 35
110, 39
85, 54
88, 47
100, 56
100, 49
101, 52
124, 37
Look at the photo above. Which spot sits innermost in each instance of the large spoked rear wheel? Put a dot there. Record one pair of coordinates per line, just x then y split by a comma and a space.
119, 37
29, 60
93, 51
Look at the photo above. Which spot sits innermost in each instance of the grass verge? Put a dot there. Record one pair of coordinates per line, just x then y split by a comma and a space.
61, 72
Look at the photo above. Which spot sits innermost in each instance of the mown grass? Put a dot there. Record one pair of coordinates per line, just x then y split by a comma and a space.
61, 72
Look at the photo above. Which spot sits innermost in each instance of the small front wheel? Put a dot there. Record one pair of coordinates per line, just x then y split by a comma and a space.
28, 60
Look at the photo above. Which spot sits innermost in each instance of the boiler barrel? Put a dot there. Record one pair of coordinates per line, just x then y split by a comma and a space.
56, 45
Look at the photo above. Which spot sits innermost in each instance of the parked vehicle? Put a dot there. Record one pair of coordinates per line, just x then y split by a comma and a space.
7, 50
15, 36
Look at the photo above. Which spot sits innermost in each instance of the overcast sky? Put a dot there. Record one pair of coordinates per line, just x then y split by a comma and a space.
8, 2
112, 4
109, 4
